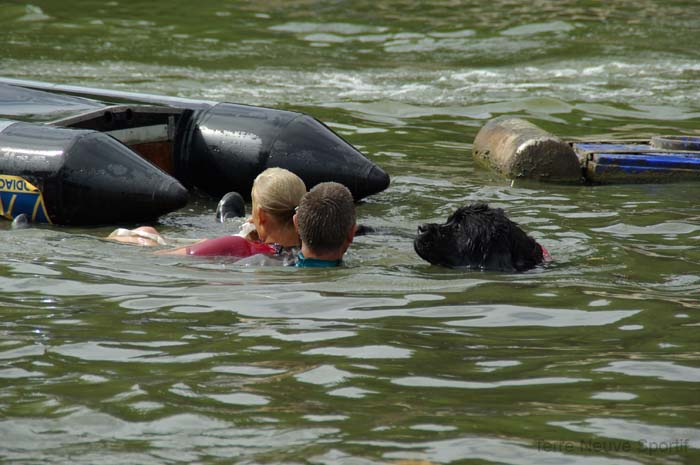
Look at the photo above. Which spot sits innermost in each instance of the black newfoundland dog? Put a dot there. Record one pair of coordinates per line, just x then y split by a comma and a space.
479, 237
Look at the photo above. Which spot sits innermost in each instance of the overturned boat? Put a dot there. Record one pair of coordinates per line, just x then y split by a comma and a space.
137, 157
518, 149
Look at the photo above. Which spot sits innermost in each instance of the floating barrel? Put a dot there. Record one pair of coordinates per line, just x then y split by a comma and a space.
79, 177
516, 148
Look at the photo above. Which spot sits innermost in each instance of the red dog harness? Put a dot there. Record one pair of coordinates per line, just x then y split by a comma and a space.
546, 256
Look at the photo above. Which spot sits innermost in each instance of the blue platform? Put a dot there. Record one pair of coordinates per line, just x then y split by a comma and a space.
636, 162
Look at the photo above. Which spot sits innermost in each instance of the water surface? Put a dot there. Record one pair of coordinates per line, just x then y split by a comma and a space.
111, 354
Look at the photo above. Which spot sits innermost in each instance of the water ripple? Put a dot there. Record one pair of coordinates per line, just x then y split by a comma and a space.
363, 352
489, 450
422, 381
645, 434
178, 437
667, 371
325, 375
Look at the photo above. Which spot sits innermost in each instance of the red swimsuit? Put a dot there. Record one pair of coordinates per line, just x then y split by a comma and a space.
230, 246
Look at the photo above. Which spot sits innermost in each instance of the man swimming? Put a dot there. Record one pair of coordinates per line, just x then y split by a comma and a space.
325, 221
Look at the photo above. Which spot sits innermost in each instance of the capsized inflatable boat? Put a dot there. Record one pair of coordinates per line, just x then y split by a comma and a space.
126, 157
517, 148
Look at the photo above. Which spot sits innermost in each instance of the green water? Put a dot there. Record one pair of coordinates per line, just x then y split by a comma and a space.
111, 355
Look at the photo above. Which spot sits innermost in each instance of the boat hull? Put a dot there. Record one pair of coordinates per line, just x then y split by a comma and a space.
164, 143
79, 177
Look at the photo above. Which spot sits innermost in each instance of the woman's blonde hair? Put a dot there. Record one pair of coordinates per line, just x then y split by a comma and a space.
278, 192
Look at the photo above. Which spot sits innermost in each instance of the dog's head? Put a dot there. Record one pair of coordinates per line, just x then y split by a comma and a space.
478, 237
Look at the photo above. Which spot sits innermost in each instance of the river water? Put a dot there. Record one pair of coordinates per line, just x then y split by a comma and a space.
110, 354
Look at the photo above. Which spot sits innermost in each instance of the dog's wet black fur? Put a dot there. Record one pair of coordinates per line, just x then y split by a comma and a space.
478, 237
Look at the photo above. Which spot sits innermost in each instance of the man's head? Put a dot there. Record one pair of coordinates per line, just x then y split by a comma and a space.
325, 220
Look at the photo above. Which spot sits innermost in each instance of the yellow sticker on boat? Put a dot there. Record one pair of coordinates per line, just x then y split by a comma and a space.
17, 196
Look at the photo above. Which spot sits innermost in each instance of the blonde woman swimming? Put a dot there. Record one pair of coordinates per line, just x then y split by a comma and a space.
275, 195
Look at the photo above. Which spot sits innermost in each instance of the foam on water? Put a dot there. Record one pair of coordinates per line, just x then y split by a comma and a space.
660, 89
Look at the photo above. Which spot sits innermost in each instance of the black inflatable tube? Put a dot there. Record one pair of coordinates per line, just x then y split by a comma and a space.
228, 145
79, 177
224, 145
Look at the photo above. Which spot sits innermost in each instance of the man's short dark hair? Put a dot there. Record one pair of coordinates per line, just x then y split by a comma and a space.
325, 217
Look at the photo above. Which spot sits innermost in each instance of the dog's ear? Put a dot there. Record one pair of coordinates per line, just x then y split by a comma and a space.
480, 238
526, 253
509, 247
